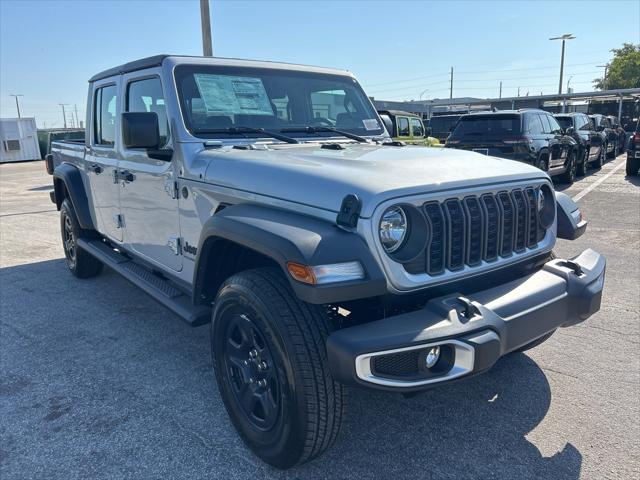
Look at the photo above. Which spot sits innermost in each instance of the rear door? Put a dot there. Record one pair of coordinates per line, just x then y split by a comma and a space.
417, 131
149, 199
402, 125
554, 139
102, 159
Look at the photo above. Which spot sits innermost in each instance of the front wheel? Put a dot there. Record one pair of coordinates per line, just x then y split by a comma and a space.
570, 173
270, 363
581, 170
603, 153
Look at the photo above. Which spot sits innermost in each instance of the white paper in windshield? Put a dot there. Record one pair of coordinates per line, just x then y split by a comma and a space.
230, 95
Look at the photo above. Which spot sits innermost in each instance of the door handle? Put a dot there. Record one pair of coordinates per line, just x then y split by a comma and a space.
95, 168
126, 175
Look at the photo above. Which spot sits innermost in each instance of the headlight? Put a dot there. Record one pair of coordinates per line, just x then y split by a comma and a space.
393, 228
546, 206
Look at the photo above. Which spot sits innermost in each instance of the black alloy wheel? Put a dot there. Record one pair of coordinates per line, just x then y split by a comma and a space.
251, 371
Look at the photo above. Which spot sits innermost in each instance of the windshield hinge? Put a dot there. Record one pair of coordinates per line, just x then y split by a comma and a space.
349, 212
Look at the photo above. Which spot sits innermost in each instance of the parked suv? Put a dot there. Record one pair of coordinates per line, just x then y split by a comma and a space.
633, 151
405, 127
441, 126
602, 124
622, 134
530, 136
267, 199
590, 142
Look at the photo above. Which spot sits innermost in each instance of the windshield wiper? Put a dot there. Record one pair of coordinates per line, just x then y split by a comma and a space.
242, 130
312, 129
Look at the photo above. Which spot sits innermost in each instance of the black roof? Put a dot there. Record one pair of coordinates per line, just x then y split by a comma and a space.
141, 64
398, 112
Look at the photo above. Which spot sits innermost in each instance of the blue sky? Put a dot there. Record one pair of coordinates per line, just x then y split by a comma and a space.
48, 49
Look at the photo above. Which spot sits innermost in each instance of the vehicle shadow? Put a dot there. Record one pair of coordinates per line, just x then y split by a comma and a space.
133, 374
633, 179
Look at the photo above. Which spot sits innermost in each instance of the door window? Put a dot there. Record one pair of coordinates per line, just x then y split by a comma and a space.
416, 128
555, 126
403, 127
146, 96
104, 116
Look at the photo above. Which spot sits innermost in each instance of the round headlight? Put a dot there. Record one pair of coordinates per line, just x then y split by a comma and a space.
546, 206
393, 228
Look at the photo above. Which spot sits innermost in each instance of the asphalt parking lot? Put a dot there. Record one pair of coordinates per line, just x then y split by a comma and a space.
99, 381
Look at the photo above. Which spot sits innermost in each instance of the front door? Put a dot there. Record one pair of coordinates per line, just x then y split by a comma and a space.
102, 162
148, 193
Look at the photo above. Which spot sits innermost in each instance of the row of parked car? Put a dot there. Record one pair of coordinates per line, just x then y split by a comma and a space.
564, 145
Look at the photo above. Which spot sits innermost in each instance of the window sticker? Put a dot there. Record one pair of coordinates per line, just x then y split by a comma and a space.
231, 95
371, 124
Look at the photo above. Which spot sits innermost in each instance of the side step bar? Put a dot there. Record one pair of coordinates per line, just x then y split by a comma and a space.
159, 288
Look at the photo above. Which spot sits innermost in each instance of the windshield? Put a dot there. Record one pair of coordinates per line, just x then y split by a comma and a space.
443, 124
214, 98
497, 125
565, 122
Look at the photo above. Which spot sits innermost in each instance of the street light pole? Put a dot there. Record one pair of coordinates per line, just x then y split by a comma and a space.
17, 103
64, 115
205, 20
564, 38
423, 92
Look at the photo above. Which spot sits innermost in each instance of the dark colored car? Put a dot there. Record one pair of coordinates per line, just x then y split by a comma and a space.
602, 124
440, 126
622, 134
633, 151
527, 135
590, 142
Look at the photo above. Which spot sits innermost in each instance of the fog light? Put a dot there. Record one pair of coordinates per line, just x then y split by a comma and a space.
432, 356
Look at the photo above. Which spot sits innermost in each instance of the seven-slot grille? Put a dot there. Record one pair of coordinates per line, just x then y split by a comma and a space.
478, 228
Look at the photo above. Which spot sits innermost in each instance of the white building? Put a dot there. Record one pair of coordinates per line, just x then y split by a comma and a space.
18, 140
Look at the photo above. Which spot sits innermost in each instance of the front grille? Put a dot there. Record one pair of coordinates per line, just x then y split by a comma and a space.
478, 228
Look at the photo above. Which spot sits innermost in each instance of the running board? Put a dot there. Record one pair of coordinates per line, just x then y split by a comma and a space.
159, 288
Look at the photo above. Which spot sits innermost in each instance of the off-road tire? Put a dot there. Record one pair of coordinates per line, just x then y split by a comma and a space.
570, 173
543, 162
632, 167
535, 343
79, 262
310, 404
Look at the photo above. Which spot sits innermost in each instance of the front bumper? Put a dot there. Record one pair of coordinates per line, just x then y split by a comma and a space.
472, 333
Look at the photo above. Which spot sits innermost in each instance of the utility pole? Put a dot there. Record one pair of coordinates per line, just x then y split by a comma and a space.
17, 103
64, 115
606, 70
500, 95
518, 91
205, 19
451, 86
564, 38
75, 107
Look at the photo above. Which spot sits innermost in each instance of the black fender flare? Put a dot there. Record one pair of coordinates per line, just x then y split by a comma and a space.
286, 236
71, 177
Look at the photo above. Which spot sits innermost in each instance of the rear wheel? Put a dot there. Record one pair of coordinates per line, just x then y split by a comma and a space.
79, 262
543, 162
270, 363
600, 160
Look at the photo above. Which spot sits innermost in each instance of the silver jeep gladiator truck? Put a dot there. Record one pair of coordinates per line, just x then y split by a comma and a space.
269, 200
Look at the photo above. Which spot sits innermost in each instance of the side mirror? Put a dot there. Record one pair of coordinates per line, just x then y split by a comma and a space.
600, 128
569, 131
140, 130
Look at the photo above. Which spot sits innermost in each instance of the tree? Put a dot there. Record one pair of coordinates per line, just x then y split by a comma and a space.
624, 69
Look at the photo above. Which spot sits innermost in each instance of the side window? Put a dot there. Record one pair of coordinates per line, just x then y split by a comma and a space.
403, 126
605, 122
555, 126
534, 126
584, 123
546, 126
416, 128
104, 116
146, 96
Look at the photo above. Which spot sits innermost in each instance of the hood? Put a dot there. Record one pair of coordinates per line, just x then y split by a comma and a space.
319, 177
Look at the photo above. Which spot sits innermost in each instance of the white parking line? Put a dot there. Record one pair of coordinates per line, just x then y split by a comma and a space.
588, 189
